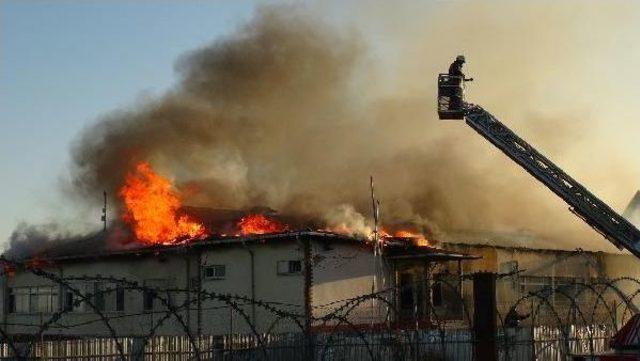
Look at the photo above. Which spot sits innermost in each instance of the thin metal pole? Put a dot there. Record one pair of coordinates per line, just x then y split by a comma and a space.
104, 212
374, 284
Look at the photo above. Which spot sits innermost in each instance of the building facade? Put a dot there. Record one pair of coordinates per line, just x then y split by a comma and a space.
275, 283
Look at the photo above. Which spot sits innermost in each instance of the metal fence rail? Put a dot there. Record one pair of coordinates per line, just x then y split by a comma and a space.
549, 323
526, 343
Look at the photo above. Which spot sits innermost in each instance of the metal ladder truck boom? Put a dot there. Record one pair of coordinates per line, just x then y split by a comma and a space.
581, 201
596, 213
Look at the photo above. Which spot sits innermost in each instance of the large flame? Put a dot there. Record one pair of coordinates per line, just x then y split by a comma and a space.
259, 224
418, 239
151, 208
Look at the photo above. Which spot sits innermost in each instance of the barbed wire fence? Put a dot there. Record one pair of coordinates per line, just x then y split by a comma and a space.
549, 323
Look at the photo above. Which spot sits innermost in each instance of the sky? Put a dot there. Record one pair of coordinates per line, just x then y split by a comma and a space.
562, 72
64, 63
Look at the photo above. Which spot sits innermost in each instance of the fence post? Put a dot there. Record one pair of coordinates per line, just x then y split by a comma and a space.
22, 352
309, 344
484, 316
137, 349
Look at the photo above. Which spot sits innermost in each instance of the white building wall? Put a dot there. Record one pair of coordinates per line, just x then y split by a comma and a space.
281, 291
339, 271
83, 319
343, 271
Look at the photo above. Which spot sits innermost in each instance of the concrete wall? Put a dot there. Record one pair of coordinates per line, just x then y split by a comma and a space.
85, 320
283, 291
339, 271
177, 271
346, 271
550, 267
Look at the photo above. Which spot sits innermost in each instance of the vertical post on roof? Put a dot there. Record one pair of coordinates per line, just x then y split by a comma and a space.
375, 208
104, 212
376, 250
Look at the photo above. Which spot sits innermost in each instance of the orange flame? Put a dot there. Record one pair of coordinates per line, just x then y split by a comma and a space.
417, 239
151, 208
37, 263
259, 224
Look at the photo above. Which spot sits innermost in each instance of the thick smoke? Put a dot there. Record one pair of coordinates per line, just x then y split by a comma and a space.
27, 240
295, 114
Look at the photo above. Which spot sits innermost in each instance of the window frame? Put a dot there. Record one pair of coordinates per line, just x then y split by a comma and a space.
287, 268
120, 301
215, 269
34, 299
148, 300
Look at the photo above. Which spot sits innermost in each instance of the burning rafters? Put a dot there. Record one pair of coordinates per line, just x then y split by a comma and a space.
260, 224
417, 239
152, 211
152, 206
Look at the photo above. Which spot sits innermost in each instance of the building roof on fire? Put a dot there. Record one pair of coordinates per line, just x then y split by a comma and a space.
100, 246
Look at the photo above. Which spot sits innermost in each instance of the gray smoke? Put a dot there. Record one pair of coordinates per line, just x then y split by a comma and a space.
296, 114
27, 240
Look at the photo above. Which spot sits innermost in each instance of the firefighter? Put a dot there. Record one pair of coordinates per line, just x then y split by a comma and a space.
455, 70
513, 318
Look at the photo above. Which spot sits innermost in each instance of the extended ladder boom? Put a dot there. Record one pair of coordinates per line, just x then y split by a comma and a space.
583, 203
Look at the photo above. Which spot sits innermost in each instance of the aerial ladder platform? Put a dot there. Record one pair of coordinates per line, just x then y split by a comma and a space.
581, 201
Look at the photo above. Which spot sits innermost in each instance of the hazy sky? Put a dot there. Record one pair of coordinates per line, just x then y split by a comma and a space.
63, 63
562, 73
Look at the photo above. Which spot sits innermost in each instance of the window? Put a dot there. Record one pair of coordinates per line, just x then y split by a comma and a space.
99, 290
291, 267
406, 292
436, 295
10, 306
42, 299
532, 284
68, 300
84, 290
119, 298
21, 300
147, 300
214, 272
154, 288
509, 267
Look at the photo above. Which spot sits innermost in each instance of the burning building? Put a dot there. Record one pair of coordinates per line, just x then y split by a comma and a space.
226, 271
303, 272
216, 271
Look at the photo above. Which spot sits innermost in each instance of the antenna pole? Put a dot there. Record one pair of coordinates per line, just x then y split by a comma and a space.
104, 212
376, 249
375, 208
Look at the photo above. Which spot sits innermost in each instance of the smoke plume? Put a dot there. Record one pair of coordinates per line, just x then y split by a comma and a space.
27, 240
295, 113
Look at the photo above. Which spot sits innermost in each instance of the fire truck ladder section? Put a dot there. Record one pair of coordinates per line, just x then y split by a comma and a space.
581, 202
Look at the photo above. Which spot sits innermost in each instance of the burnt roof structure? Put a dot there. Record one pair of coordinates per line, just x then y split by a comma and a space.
100, 246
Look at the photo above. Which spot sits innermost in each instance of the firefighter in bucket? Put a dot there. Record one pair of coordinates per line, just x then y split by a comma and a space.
451, 90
